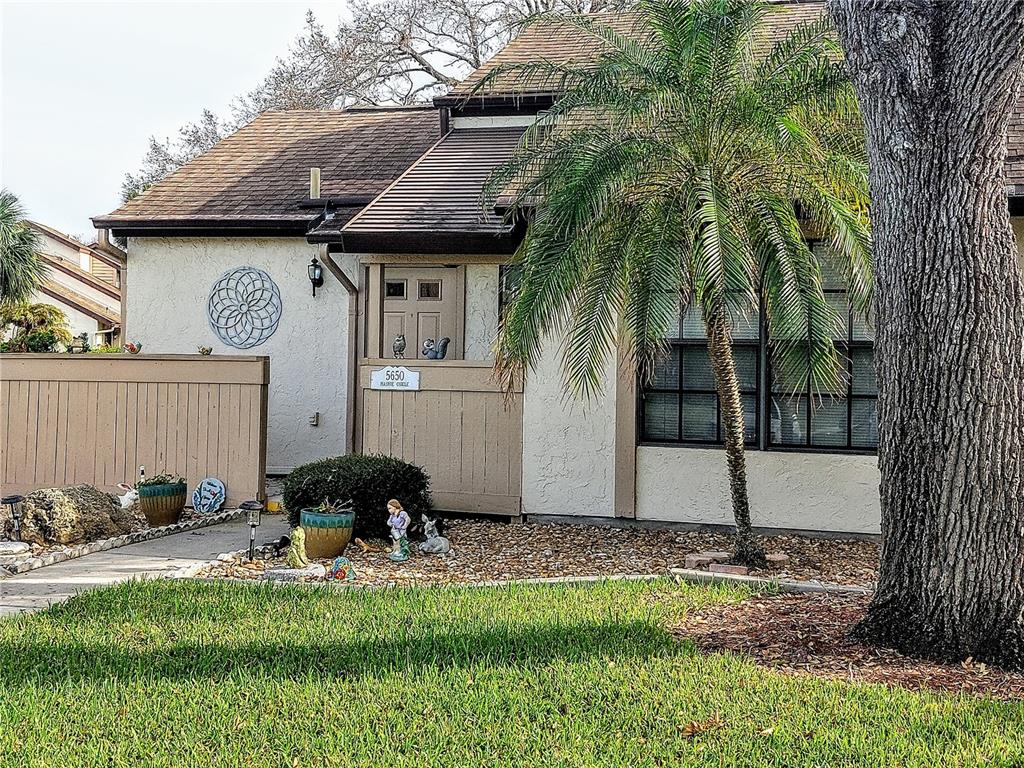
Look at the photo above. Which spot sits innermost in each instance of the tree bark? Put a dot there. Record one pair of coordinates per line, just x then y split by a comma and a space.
936, 81
748, 551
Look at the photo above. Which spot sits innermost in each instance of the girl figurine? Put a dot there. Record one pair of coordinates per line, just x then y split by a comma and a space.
398, 521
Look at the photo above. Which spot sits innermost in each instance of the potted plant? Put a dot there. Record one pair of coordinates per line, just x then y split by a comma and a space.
328, 529
162, 499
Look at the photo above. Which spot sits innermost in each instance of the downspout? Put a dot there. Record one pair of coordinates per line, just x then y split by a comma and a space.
353, 356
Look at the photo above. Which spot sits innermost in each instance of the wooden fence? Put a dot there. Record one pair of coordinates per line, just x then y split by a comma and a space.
71, 419
458, 426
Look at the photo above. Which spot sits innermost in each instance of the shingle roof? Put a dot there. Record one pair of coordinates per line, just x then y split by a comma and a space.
559, 43
261, 172
440, 194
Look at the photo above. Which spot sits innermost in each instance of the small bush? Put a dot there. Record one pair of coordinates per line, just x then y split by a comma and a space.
368, 480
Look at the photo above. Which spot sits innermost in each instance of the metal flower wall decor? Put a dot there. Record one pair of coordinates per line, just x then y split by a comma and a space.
244, 307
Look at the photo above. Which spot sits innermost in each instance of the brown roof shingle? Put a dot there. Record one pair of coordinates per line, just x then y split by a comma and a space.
261, 172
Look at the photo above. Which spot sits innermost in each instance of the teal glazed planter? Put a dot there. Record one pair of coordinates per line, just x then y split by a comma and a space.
162, 504
327, 533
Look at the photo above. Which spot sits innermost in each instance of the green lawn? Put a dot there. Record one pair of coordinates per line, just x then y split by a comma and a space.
164, 673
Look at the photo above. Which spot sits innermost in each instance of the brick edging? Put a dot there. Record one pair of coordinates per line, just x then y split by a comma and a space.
115, 542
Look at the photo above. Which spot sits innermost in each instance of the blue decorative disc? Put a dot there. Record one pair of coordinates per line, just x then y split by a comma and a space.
208, 496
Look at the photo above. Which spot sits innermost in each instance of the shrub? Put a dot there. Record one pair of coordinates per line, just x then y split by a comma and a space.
368, 480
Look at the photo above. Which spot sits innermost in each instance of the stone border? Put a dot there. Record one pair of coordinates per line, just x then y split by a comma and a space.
102, 545
708, 577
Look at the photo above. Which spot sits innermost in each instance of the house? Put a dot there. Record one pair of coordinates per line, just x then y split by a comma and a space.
84, 282
337, 242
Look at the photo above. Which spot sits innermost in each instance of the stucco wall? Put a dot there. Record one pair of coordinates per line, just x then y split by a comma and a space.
169, 280
481, 310
568, 446
803, 491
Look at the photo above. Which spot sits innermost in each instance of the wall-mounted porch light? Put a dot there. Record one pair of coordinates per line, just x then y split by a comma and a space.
13, 504
316, 274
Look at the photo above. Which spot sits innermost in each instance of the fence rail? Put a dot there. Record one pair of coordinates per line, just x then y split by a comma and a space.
71, 419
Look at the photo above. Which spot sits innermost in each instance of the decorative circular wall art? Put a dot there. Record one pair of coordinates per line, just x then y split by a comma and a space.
244, 307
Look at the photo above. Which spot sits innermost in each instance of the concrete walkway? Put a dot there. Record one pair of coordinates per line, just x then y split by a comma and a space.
40, 588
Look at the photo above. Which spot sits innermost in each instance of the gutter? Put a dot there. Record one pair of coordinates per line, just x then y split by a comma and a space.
351, 364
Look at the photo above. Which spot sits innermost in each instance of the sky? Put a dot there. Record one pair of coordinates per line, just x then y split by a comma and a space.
83, 85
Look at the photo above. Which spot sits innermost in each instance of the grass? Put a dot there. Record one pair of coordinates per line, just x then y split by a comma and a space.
166, 673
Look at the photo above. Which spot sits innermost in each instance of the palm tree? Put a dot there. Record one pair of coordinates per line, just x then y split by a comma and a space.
21, 269
683, 169
37, 327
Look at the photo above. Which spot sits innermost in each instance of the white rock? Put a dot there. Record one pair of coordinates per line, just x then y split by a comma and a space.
311, 571
14, 547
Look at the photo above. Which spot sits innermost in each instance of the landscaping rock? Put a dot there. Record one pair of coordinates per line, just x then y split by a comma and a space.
777, 558
735, 570
697, 561
74, 515
13, 548
311, 572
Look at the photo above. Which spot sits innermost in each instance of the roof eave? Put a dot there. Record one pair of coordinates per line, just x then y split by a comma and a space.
205, 227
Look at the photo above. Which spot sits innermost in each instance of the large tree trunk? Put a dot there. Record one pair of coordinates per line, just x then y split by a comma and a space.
748, 550
936, 82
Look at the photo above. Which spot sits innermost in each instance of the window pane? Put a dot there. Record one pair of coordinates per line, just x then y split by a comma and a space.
788, 420
841, 307
829, 422
693, 324
864, 429
394, 289
697, 373
864, 371
661, 416
750, 418
700, 417
746, 367
430, 289
862, 329
666, 370
745, 324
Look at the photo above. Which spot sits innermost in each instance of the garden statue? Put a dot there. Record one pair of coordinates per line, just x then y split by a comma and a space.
297, 551
398, 521
342, 570
435, 543
399, 347
204, 350
437, 351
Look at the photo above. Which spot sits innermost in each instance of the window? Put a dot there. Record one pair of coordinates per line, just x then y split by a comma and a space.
429, 289
394, 289
843, 420
681, 403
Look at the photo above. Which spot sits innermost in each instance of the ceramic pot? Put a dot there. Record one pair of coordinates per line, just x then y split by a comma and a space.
327, 533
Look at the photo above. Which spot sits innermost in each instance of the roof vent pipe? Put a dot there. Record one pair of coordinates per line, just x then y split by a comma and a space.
314, 183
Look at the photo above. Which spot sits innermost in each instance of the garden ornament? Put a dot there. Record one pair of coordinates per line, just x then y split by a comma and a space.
399, 347
437, 351
129, 498
297, 551
133, 347
208, 496
204, 350
398, 521
342, 570
435, 543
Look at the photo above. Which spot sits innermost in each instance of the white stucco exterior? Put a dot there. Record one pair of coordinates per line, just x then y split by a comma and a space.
799, 491
481, 310
568, 446
169, 280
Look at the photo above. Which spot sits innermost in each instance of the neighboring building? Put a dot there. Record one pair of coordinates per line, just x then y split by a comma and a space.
393, 214
84, 283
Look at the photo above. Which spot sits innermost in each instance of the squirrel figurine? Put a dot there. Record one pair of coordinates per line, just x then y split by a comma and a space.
437, 351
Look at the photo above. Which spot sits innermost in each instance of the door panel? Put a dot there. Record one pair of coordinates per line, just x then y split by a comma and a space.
423, 303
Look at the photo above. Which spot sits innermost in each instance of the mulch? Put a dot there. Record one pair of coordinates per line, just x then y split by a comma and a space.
487, 550
809, 634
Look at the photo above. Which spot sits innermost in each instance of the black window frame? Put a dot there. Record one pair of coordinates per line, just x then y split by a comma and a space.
676, 346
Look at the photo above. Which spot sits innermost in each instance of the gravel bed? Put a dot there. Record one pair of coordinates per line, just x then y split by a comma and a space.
490, 551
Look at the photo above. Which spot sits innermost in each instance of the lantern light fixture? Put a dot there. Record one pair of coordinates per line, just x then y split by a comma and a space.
13, 503
253, 516
316, 274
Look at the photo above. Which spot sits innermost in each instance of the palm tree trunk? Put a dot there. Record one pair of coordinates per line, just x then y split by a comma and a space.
748, 550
